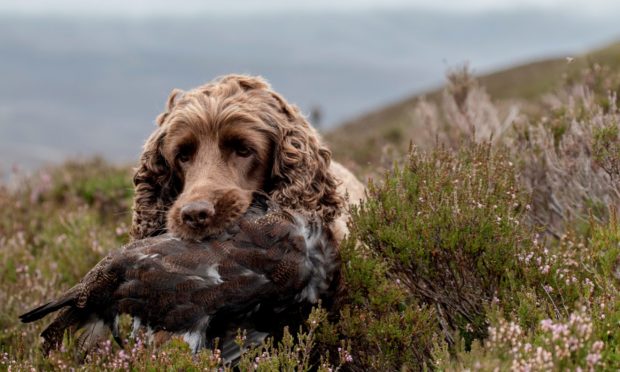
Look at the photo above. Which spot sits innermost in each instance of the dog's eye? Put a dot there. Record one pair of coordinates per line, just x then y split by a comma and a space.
184, 154
243, 151
183, 158
238, 146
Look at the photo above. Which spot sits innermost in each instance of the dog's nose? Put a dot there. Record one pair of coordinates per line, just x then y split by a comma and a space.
196, 214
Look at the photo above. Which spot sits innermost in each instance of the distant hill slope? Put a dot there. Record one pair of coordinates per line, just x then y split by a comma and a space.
359, 141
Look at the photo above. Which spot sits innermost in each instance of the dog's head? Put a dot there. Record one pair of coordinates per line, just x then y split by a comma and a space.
217, 144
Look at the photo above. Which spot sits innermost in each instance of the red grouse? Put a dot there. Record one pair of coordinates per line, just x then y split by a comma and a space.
267, 268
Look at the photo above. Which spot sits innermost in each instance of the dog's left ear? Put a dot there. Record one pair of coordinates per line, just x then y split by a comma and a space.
155, 185
301, 177
155, 189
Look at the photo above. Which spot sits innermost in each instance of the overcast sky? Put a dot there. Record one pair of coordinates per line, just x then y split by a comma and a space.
191, 7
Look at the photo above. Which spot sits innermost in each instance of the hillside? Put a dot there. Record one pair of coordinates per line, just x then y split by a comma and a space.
358, 142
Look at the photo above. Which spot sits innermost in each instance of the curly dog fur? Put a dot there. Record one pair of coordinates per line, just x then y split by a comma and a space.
217, 144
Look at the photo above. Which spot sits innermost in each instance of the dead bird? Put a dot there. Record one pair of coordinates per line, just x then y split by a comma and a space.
268, 267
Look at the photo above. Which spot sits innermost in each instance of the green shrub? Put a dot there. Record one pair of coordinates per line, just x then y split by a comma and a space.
51, 233
606, 149
570, 155
569, 310
435, 242
385, 327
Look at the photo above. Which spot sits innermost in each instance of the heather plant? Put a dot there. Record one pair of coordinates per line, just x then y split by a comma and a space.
295, 353
570, 320
466, 115
434, 244
606, 149
47, 243
384, 326
139, 354
571, 160
567, 344
567, 147
446, 266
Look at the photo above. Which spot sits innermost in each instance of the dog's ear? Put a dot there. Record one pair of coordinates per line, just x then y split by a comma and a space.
170, 103
301, 178
156, 187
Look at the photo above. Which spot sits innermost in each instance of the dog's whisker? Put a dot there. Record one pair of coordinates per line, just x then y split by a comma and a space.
154, 210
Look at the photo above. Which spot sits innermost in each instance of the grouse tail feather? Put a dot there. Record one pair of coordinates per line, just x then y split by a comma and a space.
43, 310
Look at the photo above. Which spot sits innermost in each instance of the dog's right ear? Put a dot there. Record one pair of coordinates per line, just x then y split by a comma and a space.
172, 101
155, 188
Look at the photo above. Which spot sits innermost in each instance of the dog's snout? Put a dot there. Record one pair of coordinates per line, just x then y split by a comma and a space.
196, 214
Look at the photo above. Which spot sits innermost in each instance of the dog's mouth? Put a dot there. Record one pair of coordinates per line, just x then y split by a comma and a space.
201, 219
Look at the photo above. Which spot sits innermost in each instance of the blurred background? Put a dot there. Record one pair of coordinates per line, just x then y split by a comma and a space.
79, 78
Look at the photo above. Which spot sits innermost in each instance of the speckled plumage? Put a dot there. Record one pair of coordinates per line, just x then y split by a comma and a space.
271, 263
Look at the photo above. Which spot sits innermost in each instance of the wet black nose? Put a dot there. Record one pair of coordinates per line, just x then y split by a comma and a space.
196, 214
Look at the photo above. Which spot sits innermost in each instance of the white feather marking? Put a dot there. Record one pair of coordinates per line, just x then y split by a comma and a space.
149, 335
135, 327
115, 331
247, 272
262, 279
309, 294
142, 256
214, 275
194, 339
196, 277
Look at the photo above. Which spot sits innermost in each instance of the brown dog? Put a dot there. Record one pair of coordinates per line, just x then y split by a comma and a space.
217, 144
